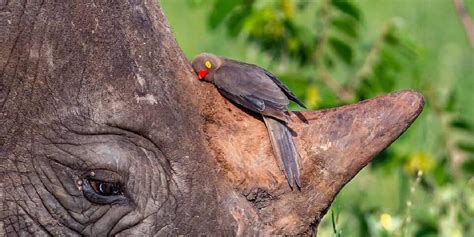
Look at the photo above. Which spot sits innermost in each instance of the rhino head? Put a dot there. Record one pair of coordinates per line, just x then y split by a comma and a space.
106, 131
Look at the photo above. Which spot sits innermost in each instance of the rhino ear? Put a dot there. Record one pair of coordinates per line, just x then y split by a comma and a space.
334, 145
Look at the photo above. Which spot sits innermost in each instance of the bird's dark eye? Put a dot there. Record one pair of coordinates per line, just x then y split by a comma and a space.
98, 191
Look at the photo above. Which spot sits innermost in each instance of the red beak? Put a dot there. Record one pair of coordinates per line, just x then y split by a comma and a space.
203, 73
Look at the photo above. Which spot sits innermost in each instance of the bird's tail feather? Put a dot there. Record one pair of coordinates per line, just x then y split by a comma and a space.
284, 149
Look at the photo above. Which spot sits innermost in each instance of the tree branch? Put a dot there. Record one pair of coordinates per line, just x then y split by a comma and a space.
465, 20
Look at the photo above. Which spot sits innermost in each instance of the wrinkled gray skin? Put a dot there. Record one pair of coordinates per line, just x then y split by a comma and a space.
105, 130
79, 93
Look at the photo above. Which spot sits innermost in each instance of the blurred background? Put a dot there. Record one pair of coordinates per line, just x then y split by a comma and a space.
334, 52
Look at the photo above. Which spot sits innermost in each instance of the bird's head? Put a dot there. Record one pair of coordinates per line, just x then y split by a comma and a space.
205, 63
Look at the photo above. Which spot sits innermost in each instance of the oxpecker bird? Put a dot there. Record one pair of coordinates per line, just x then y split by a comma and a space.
258, 90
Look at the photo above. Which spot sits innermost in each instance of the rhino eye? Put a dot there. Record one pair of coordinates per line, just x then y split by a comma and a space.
105, 188
99, 191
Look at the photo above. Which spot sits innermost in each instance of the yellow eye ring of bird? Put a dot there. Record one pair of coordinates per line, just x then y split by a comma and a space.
208, 64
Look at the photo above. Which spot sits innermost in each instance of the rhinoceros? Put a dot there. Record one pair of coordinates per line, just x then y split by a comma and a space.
104, 130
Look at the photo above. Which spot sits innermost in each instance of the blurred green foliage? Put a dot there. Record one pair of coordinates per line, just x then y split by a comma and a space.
333, 52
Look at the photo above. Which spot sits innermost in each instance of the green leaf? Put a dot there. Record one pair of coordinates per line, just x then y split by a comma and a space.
468, 166
442, 173
346, 26
391, 38
347, 7
427, 228
221, 10
237, 21
401, 43
296, 82
463, 124
466, 146
390, 60
451, 103
343, 50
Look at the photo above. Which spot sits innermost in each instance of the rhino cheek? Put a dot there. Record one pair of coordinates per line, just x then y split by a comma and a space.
51, 183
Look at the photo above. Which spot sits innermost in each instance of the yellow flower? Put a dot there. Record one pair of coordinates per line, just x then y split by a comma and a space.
386, 221
312, 97
287, 7
419, 161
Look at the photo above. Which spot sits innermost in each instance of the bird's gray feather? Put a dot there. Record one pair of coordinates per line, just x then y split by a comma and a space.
253, 87
284, 149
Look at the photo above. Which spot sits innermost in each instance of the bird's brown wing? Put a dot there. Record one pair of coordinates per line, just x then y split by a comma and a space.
285, 89
280, 84
252, 89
